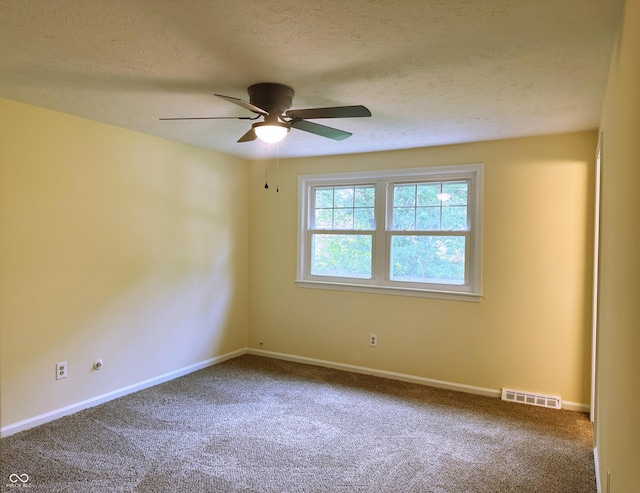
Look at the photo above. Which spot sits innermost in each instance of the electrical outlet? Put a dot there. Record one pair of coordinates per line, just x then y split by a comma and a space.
61, 370
373, 340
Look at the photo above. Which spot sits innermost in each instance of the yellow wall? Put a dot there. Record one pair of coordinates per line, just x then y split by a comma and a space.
532, 329
115, 245
617, 428
134, 249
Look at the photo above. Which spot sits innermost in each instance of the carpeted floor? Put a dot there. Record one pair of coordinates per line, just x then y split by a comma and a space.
255, 424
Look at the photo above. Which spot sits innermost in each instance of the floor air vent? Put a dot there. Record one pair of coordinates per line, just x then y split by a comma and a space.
552, 401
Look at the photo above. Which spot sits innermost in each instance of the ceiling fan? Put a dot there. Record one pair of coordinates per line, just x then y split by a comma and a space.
272, 101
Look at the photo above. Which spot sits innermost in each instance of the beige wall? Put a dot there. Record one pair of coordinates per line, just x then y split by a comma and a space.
618, 406
115, 245
531, 331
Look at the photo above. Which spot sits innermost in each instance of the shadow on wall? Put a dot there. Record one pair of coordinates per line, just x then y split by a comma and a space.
167, 316
172, 308
117, 246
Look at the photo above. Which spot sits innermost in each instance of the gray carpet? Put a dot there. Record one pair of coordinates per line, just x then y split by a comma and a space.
255, 424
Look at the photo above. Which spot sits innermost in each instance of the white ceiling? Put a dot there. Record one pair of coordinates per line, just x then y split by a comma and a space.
431, 71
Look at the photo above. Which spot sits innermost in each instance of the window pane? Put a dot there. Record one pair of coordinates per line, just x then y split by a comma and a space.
344, 207
343, 219
428, 218
454, 218
404, 218
428, 194
344, 197
458, 192
439, 206
365, 196
364, 219
324, 198
324, 219
341, 255
404, 195
433, 259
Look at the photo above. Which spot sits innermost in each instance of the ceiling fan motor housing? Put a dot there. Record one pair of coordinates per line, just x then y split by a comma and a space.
271, 97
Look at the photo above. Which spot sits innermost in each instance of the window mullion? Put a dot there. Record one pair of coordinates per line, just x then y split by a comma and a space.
379, 249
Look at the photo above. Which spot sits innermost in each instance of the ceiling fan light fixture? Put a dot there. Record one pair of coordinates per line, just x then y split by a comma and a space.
271, 132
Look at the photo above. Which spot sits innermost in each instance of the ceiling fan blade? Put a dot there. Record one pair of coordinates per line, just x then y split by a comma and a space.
212, 118
244, 104
249, 136
314, 128
333, 112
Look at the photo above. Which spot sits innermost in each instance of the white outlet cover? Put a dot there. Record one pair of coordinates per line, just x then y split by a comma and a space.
61, 370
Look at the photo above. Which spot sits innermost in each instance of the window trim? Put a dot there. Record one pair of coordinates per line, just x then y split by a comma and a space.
381, 236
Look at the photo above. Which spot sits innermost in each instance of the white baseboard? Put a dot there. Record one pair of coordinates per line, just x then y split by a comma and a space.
469, 389
576, 406
403, 377
94, 401
595, 461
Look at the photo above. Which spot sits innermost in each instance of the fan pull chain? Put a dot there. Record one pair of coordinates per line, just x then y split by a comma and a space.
266, 180
277, 167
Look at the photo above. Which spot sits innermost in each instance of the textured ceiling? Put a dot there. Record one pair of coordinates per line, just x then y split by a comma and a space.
431, 71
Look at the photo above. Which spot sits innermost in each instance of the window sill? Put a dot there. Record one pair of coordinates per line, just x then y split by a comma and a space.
391, 290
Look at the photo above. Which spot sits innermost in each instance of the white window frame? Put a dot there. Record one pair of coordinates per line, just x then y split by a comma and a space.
383, 180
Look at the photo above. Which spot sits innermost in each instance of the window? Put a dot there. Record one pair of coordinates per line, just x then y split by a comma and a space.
415, 231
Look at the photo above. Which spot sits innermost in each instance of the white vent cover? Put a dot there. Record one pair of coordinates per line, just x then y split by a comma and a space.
551, 401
